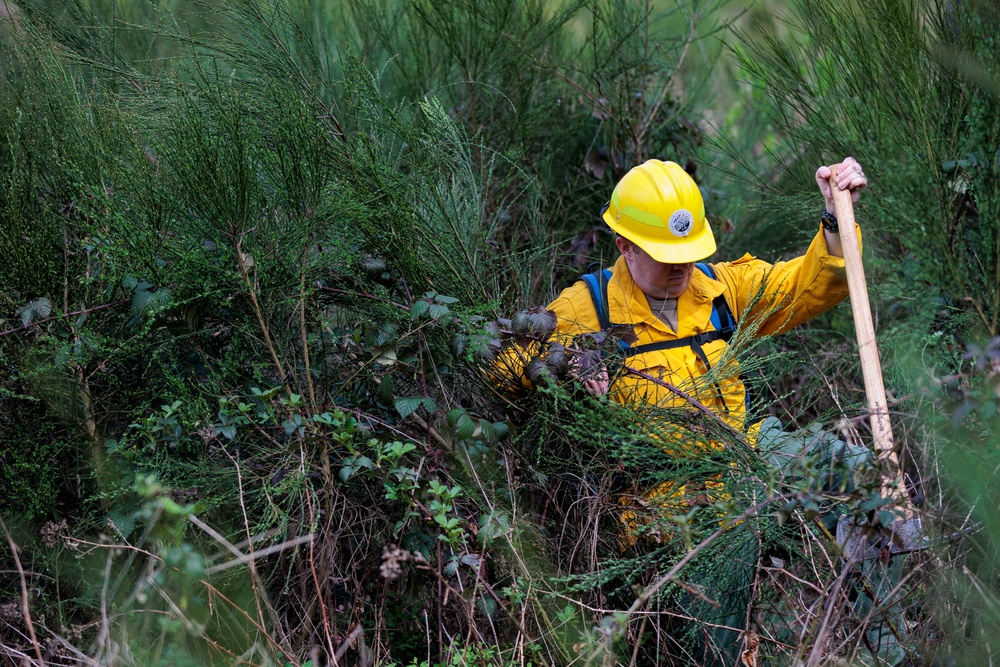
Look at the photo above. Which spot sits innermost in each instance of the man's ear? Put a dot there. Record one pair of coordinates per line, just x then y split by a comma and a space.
624, 246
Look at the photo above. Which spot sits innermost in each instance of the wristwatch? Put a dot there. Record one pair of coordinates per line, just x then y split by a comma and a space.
829, 221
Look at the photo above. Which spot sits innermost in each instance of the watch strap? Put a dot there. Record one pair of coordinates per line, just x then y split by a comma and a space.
829, 221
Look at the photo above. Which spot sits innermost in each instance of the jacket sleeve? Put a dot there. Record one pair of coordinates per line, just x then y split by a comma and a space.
509, 368
773, 298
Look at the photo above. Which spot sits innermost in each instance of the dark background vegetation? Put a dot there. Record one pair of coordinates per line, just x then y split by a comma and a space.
252, 259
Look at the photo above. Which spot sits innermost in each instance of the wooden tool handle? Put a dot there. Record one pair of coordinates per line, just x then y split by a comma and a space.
871, 368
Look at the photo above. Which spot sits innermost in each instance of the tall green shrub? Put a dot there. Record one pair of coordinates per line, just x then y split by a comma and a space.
248, 260
910, 89
907, 88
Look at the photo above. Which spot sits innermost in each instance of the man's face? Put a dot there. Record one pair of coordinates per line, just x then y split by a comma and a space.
658, 280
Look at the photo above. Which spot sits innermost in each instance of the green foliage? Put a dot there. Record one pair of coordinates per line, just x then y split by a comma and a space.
909, 89
252, 260
915, 106
964, 425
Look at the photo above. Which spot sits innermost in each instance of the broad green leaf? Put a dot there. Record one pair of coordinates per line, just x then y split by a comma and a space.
492, 526
63, 355
406, 406
398, 449
42, 307
487, 606
292, 424
419, 309
566, 614
386, 389
123, 519
502, 429
465, 427
386, 358
437, 311
145, 302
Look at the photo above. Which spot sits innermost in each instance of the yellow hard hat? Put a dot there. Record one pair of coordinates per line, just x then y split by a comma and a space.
658, 207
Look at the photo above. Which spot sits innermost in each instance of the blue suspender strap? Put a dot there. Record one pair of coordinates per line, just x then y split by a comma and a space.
722, 317
605, 278
716, 320
597, 283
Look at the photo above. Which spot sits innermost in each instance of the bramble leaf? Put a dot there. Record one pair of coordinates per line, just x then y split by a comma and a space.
437, 311
419, 309
464, 427
406, 406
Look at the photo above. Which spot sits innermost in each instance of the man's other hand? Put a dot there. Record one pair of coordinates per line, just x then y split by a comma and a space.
593, 376
850, 176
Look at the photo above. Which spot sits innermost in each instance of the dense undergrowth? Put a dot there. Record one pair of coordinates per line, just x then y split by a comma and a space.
255, 264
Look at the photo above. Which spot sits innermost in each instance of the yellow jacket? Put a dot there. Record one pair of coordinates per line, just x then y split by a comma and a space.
765, 299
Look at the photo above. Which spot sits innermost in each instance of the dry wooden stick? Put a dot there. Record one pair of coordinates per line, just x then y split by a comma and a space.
25, 608
871, 367
651, 590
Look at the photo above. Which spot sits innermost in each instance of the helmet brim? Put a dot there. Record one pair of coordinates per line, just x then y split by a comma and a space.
693, 248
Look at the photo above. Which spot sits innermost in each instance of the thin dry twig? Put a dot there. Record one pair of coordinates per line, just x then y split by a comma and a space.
355, 634
242, 262
242, 558
830, 606
652, 589
364, 295
694, 402
25, 607
659, 612
328, 635
260, 594
305, 341
105, 631
85, 311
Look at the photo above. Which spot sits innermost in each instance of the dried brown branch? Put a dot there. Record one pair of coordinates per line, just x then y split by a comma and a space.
85, 311
242, 261
694, 402
25, 606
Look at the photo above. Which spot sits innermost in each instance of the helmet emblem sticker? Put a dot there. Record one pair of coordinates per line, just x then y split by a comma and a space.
681, 222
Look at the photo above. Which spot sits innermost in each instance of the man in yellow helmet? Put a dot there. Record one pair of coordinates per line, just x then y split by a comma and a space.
683, 314
674, 308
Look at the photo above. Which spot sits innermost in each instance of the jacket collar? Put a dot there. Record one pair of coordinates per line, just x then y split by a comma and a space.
627, 304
